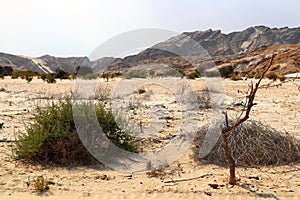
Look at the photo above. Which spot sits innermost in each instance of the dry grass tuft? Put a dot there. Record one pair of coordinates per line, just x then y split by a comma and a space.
255, 144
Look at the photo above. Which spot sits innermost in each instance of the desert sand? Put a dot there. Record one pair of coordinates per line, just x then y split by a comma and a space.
185, 178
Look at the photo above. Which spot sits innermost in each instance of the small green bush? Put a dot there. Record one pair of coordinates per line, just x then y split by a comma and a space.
272, 76
49, 78
15, 75
52, 137
225, 72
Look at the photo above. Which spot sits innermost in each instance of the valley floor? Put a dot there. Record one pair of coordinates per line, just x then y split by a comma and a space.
186, 178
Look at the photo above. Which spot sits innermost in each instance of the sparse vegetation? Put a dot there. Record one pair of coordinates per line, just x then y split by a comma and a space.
52, 137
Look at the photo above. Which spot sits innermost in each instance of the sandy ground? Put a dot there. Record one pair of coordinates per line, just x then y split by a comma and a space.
185, 178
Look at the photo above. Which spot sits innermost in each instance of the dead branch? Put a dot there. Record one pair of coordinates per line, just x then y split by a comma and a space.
187, 179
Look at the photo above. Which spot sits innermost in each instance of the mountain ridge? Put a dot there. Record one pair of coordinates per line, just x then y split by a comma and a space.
218, 46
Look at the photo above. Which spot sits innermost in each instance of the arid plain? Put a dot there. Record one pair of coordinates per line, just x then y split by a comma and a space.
278, 107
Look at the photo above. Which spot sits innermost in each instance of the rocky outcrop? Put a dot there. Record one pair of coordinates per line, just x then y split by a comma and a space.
286, 61
217, 45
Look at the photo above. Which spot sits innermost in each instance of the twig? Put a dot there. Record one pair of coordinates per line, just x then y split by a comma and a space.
4, 140
187, 179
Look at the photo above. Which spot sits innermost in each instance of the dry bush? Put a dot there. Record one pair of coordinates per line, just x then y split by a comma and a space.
255, 144
203, 98
103, 93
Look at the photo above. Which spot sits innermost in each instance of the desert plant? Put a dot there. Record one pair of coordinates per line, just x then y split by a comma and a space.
40, 184
225, 72
15, 75
49, 78
203, 99
102, 93
271, 75
52, 137
254, 144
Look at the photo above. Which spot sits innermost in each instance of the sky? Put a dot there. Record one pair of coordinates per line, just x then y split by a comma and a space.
75, 27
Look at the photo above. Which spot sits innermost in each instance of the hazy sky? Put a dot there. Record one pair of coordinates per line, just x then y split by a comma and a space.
77, 27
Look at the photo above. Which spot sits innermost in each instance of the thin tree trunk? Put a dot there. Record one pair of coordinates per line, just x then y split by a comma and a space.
232, 180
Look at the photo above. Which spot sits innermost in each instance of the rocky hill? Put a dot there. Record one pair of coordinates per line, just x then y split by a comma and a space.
220, 47
287, 60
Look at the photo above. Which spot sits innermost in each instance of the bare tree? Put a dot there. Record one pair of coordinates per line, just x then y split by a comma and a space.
229, 129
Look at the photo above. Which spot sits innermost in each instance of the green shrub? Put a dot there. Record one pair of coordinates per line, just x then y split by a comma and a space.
15, 75
52, 137
225, 72
272, 76
49, 78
